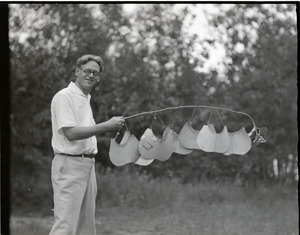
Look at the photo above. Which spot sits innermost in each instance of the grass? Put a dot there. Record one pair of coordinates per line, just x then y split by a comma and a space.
136, 205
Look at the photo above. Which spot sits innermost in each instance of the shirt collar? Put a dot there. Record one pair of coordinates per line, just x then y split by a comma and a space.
75, 89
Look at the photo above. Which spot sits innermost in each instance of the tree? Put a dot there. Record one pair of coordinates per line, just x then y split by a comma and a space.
261, 74
147, 61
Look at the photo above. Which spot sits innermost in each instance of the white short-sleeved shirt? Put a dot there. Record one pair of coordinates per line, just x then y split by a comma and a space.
71, 107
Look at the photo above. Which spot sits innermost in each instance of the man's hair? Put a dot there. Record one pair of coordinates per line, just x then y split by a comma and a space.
85, 58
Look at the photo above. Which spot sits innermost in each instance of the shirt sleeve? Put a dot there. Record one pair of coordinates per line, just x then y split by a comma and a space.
63, 112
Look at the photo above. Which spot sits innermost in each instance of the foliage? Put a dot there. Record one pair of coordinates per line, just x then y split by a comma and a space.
150, 63
132, 203
261, 76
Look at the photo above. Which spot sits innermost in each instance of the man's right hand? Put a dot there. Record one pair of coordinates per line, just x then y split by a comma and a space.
116, 122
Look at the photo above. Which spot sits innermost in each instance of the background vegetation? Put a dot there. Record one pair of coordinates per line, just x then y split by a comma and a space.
152, 62
136, 205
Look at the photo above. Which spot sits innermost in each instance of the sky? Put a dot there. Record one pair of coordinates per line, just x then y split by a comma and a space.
201, 28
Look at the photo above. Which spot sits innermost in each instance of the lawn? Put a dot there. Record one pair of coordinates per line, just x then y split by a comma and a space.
170, 208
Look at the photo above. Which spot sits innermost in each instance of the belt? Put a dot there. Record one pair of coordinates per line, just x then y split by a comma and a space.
79, 155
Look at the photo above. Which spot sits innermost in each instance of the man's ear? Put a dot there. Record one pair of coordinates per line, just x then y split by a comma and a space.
76, 71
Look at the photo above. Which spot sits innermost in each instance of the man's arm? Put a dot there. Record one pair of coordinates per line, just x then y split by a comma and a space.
84, 132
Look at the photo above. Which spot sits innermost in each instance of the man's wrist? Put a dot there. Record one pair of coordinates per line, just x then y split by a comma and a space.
102, 127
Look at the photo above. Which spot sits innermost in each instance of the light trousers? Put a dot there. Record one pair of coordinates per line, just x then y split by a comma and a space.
75, 190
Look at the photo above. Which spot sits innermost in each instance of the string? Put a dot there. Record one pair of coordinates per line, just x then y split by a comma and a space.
154, 118
118, 133
173, 122
126, 126
259, 138
193, 114
201, 114
175, 117
161, 121
210, 117
220, 118
182, 116
141, 125
130, 126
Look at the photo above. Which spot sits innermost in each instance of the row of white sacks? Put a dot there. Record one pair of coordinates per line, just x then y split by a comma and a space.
150, 147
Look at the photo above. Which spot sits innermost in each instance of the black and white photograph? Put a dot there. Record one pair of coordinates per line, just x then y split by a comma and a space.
152, 118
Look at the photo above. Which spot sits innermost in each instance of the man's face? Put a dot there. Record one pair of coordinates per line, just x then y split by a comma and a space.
87, 82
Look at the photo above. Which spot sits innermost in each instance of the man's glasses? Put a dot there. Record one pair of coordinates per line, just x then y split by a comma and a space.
88, 72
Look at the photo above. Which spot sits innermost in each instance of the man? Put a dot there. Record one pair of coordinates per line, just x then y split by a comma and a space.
74, 144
